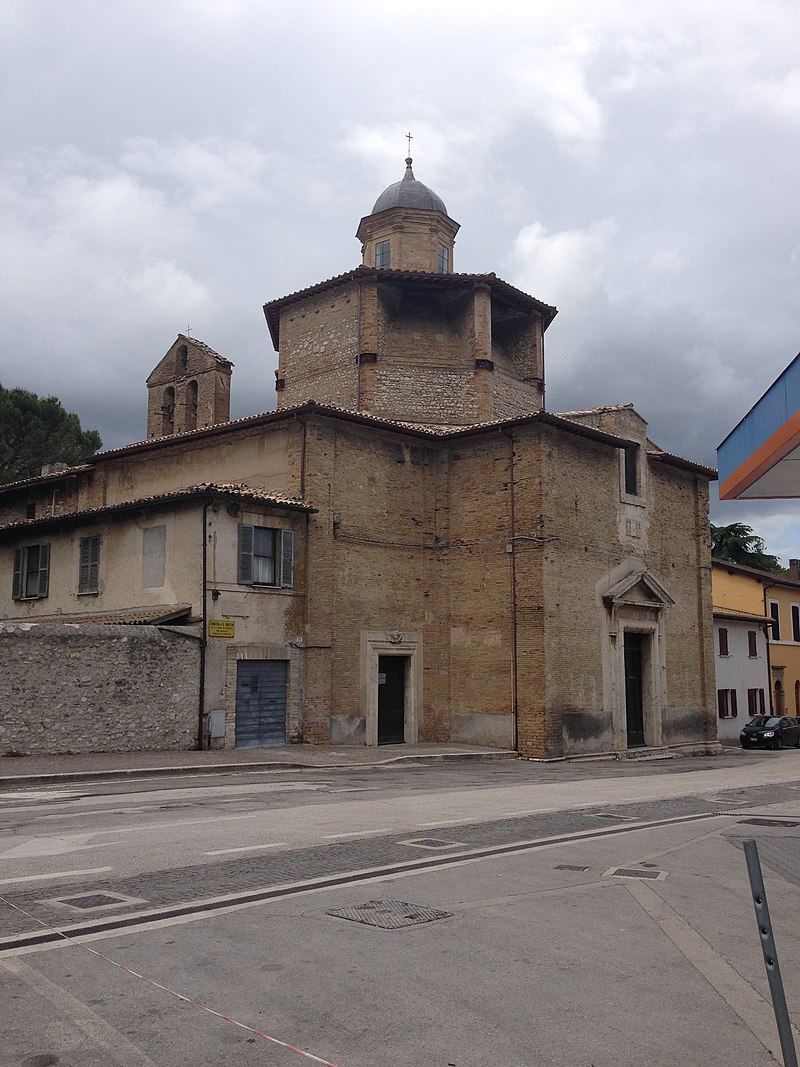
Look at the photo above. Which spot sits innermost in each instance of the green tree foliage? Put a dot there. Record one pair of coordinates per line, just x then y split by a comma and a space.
37, 430
738, 543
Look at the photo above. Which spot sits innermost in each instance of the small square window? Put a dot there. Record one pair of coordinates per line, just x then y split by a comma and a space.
266, 556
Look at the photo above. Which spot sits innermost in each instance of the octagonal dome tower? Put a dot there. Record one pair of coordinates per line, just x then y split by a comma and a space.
408, 229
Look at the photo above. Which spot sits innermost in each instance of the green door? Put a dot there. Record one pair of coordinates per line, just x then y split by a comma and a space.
634, 703
391, 699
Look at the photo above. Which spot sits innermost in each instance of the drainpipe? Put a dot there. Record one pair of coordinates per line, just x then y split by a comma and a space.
202, 689
512, 554
768, 632
358, 352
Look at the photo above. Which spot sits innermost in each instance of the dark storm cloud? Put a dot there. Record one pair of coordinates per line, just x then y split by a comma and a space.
165, 167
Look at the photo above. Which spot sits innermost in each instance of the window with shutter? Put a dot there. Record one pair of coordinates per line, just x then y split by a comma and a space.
89, 567
287, 559
266, 556
31, 580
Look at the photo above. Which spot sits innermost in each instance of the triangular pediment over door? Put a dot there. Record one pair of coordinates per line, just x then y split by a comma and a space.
639, 589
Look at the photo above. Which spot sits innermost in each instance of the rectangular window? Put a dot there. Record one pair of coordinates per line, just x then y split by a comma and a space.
752, 644
726, 703
89, 565
154, 556
755, 701
795, 622
632, 470
723, 641
266, 556
444, 260
774, 611
383, 254
31, 578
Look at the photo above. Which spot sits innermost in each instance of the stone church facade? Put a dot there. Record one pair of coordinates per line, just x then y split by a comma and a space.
410, 548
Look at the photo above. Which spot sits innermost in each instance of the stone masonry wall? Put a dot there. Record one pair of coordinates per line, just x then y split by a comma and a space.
88, 688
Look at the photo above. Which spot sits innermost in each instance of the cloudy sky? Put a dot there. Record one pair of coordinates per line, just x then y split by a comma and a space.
167, 164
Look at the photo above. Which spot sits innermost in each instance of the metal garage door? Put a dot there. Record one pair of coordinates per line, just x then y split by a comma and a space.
260, 702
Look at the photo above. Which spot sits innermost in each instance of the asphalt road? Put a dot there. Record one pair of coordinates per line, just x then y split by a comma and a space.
516, 943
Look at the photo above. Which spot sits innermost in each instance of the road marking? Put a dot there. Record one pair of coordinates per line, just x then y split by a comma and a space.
116, 1047
36, 847
754, 1011
444, 822
361, 833
57, 874
244, 848
163, 825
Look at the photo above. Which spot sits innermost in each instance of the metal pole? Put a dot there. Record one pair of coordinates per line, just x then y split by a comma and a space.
770, 954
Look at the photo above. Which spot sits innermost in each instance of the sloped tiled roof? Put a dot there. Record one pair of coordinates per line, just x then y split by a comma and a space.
202, 490
742, 616
443, 281
161, 614
209, 351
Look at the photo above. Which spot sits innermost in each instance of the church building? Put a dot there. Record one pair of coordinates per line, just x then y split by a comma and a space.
409, 548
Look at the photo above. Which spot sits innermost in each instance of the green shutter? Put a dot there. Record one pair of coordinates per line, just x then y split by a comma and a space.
89, 572
44, 569
287, 559
17, 583
245, 555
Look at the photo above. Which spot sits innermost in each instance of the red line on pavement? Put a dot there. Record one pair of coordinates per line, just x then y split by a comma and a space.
166, 989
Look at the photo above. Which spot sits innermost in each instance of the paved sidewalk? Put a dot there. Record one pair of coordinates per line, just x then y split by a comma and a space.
89, 766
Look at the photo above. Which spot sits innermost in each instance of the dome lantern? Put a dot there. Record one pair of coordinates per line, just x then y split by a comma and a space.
408, 229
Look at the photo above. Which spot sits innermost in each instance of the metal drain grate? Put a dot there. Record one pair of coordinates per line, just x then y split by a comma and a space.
770, 822
389, 914
636, 872
570, 867
90, 901
431, 842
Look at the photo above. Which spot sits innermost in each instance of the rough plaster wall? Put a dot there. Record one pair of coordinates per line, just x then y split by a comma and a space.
84, 688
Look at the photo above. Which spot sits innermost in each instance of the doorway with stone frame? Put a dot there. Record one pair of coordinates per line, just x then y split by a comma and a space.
634, 667
391, 686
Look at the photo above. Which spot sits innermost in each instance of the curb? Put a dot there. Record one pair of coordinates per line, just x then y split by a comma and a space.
133, 773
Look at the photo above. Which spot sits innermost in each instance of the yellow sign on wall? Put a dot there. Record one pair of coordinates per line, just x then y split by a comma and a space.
221, 628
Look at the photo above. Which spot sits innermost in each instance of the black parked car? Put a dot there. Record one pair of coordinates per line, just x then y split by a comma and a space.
771, 732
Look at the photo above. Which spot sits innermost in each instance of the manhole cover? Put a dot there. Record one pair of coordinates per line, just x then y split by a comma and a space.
570, 867
389, 914
431, 842
770, 822
88, 901
636, 872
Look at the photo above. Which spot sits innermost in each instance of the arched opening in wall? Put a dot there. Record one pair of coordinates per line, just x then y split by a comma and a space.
168, 411
183, 359
780, 703
190, 422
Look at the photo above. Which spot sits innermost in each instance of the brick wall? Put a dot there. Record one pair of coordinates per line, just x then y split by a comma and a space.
85, 688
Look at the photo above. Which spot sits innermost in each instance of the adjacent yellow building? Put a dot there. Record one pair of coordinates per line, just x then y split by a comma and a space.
738, 588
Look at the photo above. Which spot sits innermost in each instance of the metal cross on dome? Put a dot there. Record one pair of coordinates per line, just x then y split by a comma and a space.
409, 138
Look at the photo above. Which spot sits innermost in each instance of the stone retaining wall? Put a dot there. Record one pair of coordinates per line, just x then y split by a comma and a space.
76, 687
